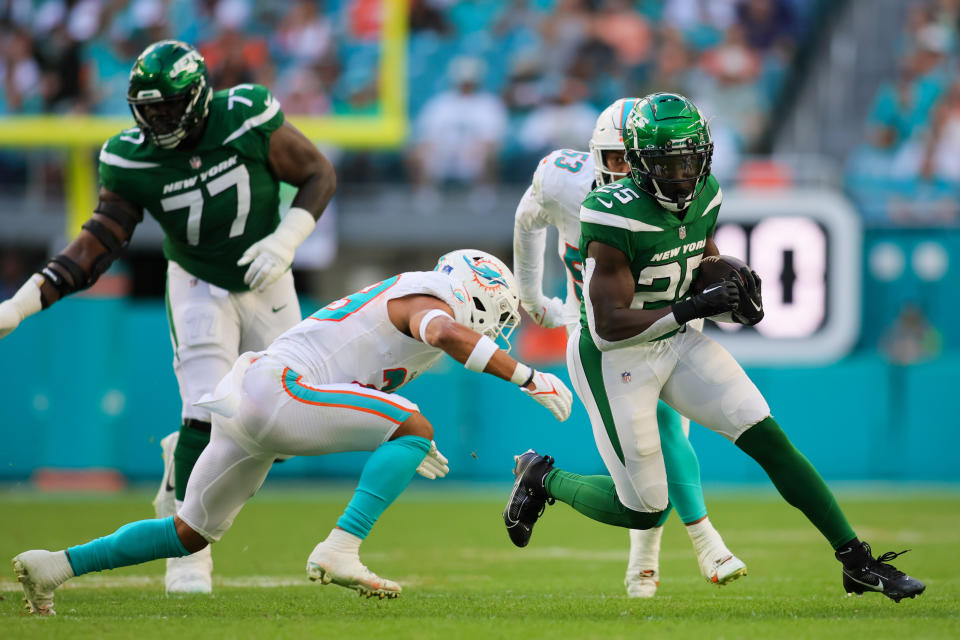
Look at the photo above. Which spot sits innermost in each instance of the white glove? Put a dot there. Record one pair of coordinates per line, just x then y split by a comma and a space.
546, 312
271, 256
25, 302
550, 391
434, 465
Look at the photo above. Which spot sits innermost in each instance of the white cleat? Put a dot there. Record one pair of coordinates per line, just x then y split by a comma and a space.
345, 569
165, 503
722, 567
39, 572
642, 584
190, 574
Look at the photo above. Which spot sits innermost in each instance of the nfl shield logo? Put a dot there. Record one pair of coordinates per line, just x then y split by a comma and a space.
195, 164
625, 377
683, 232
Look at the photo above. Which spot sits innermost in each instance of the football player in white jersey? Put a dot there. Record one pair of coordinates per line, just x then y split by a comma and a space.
325, 386
560, 183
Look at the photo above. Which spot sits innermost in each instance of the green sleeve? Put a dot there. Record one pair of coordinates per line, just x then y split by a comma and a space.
252, 114
120, 169
603, 224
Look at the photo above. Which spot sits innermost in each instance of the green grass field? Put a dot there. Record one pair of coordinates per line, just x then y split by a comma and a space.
463, 579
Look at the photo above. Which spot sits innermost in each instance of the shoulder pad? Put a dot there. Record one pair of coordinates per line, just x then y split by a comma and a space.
245, 107
564, 176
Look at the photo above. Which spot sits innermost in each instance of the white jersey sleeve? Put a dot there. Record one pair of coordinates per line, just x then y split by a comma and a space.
439, 285
533, 216
560, 183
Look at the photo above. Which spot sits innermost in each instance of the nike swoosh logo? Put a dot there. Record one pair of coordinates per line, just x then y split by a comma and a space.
874, 587
608, 205
755, 305
278, 309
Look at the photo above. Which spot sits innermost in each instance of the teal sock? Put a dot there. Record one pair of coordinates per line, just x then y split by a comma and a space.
683, 468
387, 473
132, 543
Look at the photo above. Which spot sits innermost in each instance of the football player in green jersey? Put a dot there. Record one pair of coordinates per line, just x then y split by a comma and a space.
642, 241
208, 166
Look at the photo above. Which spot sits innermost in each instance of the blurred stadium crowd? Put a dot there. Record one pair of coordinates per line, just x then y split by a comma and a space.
908, 169
488, 80
494, 84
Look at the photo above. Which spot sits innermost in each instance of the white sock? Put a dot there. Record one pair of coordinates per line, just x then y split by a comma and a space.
644, 549
56, 569
704, 536
343, 542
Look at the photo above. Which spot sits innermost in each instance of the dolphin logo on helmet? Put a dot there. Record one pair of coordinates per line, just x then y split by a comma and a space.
490, 287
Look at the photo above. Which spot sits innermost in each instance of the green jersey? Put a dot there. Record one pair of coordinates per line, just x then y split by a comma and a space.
214, 200
664, 250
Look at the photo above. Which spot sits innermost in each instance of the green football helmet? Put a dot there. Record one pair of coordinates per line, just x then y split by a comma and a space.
169, 92
668, 148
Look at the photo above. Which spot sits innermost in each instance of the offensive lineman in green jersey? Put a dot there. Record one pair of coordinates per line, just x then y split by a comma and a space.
642, 241
208, 166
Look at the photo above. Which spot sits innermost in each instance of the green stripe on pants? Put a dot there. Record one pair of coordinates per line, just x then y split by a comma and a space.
591, 359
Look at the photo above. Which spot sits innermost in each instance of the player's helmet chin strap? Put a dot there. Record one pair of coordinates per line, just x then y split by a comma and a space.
173, 138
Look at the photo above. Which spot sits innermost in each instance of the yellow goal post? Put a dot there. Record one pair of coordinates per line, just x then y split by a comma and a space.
81, 135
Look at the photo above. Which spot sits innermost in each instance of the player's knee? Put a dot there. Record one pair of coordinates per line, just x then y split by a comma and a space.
190, 539
654, 497
415, 425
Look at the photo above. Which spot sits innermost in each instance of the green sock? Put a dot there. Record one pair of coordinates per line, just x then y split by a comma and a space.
796, 479
189, 447
596, 498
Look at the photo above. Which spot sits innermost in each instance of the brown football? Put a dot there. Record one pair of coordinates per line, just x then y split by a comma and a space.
716, 268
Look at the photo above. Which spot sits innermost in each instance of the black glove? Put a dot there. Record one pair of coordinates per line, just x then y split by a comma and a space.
717, 298
750, 312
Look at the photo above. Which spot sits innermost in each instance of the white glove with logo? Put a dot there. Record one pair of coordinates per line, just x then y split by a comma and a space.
271, 256
550, 391
25, 302
546, 312
434, 465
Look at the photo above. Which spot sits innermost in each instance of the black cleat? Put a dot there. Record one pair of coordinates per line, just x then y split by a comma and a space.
529, 497
877, 575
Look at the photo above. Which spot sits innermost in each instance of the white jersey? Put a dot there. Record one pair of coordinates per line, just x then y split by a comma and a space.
560, 183
353, 339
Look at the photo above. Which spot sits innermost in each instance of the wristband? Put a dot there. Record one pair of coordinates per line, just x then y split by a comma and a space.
481, 354
522, 375
427, 317
27, 299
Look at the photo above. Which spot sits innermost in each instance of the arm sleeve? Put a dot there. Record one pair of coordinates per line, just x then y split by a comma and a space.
253, 114
529, 241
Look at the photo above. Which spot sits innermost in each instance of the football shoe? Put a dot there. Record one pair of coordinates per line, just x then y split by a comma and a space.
39, 572
190, 574
529, 496
345, 569
721, 567
876, 574
642, 583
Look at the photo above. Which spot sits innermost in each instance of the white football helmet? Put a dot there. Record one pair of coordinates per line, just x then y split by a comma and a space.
608, 136
496, 302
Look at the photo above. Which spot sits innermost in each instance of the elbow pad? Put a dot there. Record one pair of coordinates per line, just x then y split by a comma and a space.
65, 275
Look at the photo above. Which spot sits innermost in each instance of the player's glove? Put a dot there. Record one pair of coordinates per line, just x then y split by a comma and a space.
434, 465
750, 310
715, 299
546, 312
271, 256
25, 302
550, 391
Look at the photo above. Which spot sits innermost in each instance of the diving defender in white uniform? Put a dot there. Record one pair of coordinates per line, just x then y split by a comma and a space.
325, 386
